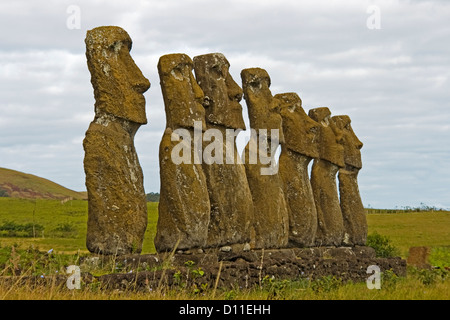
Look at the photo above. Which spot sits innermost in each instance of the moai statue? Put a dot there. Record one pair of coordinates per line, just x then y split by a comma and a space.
330, 231
300, 147
271, 218
355, 223
184, 207
229, 193
117, 209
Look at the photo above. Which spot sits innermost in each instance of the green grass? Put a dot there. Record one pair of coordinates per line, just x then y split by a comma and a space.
404, 230
417, 285
65, 224
148, 245
413, 229
51, 214
65, 231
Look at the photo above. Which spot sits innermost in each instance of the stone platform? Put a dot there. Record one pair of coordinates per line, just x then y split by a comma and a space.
245, 269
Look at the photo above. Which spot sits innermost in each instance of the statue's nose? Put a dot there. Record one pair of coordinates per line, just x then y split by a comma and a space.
142, 85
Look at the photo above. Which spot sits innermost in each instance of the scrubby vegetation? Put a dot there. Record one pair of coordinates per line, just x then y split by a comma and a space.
3, 193
152, 197
58, 240
12, 229
382, 245
31, 263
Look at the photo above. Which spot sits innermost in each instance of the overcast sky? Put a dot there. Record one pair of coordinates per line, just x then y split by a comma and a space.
386, 64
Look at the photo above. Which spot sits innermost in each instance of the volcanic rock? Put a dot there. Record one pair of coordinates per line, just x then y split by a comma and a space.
353, 213
330, 231
300, 147
117, 211
229, 192
184, 207
271, 217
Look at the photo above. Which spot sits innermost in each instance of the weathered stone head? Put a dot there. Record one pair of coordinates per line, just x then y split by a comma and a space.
352, 145
118, 83
183, 98
299, 130
330, 136
263, 109
222, 93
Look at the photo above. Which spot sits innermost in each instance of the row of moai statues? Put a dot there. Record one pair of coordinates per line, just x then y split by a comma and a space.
228, 201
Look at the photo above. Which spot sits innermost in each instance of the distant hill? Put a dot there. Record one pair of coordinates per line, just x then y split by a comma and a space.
16, 184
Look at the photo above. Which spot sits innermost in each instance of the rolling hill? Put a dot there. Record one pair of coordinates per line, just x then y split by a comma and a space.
16, 184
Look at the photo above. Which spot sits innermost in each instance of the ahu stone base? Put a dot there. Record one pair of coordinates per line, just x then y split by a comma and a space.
246, 269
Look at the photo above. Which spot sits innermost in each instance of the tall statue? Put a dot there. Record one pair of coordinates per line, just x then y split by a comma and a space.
300, 134
184, 207
330, 231
229, 193
271, 218
355, 223
117, 209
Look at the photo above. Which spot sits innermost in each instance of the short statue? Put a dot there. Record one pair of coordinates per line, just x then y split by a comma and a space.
271, 218
184, 207
353, 213
229, 193
300, 147
117, 209
330, 231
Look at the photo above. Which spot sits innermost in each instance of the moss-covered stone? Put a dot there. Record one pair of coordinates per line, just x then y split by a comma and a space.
300, 147
229, 192
184, 207
353, 212
271, 217
117, 207
330, 228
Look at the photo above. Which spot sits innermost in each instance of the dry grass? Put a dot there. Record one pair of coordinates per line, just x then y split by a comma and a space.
404, 229
412, 287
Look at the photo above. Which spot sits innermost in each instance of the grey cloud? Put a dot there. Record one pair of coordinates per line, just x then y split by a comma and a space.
392, 82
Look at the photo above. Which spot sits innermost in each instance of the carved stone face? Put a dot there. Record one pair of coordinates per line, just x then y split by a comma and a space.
352, 145
300, 131
222, 93
263, 109
330, 136
183, 98
118, 83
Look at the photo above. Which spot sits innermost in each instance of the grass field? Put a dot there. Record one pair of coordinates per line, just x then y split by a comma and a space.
65, 225
56, 217
62, 227
411, 229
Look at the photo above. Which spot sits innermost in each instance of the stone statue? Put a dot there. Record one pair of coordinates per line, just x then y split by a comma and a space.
330, 229
184, 207
300, 147
271, 218
355, 223
229, 193
117, 210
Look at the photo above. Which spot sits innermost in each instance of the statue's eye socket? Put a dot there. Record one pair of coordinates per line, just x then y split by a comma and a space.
255, 84
177, 73
217, 70
117, 46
